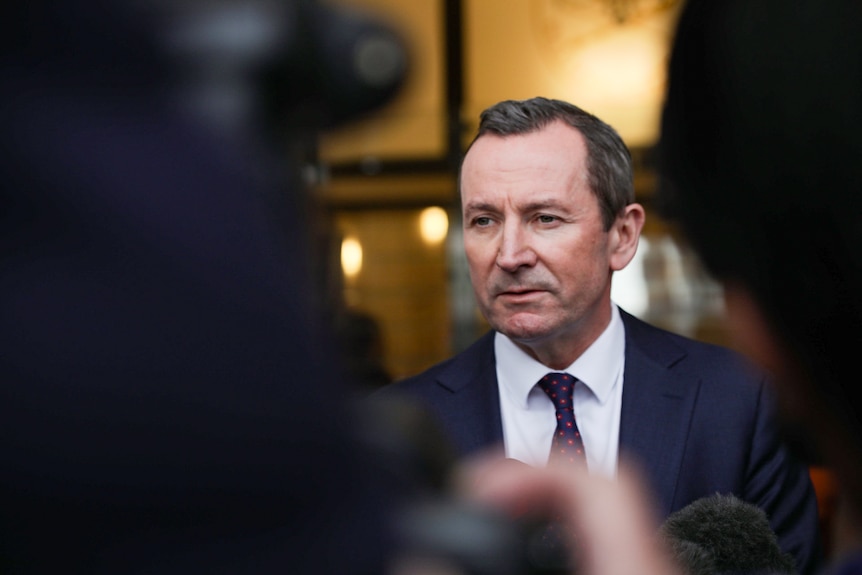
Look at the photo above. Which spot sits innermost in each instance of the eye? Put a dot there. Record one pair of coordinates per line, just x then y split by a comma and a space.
546, 219
482, 221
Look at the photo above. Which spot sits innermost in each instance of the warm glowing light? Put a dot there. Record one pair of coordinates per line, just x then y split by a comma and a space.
620, 77
624, 66
351, 256
433, 225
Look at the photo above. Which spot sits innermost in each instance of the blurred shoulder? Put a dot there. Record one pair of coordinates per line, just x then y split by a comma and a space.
686, 354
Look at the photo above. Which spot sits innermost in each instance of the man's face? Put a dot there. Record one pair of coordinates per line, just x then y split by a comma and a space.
539, 257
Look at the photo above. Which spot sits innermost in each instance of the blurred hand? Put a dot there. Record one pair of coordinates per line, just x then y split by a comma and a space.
613, 519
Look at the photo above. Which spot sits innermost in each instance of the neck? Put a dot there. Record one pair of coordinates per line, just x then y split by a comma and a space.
559, 351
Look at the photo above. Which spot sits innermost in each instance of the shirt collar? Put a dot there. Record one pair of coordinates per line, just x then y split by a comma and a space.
598, 367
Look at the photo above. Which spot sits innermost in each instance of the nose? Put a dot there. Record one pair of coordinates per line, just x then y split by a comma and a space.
515, 250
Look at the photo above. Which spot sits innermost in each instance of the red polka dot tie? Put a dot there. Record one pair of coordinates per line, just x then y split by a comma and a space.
567, 445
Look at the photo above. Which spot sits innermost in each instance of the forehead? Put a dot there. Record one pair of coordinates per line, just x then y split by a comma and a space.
549, 161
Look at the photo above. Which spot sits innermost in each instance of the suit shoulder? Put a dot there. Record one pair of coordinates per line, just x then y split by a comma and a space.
420, 380
449, 374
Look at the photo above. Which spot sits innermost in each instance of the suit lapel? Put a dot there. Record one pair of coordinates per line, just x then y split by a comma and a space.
658, 402
473, 414
657, 405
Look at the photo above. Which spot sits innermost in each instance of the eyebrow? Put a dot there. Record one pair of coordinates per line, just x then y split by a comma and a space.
530, 207
479, 207
543, 205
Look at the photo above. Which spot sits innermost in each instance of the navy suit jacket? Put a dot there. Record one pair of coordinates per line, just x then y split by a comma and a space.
695, 417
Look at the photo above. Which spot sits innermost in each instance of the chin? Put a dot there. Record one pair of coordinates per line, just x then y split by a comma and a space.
523, 331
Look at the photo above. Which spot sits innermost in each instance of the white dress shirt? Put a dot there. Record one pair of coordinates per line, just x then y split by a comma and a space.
528, 415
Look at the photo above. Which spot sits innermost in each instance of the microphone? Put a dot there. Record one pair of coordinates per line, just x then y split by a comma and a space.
722, 534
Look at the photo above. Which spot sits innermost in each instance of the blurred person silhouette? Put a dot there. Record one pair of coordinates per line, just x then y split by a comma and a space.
760, 147
360, 339
549, 215
760, 167
167, 396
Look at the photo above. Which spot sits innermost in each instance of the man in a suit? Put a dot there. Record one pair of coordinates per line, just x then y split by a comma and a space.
549, 215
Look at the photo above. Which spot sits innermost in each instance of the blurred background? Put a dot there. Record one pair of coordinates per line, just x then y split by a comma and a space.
389, 237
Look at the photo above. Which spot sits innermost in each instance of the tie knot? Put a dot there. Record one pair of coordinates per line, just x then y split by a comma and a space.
559, 387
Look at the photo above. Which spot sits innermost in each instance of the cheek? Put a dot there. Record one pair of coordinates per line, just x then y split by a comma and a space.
480, 255
585, 260
478, 271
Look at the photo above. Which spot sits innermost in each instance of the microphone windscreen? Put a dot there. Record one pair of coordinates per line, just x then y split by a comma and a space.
724, 534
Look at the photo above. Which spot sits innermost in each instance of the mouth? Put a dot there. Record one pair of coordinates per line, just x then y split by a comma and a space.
519, 294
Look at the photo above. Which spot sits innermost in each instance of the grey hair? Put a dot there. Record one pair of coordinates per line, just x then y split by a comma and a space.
609, 161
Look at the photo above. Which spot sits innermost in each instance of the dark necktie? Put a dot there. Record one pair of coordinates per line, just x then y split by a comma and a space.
567, 445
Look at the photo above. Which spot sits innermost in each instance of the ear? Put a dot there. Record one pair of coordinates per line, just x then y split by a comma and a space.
624, 236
